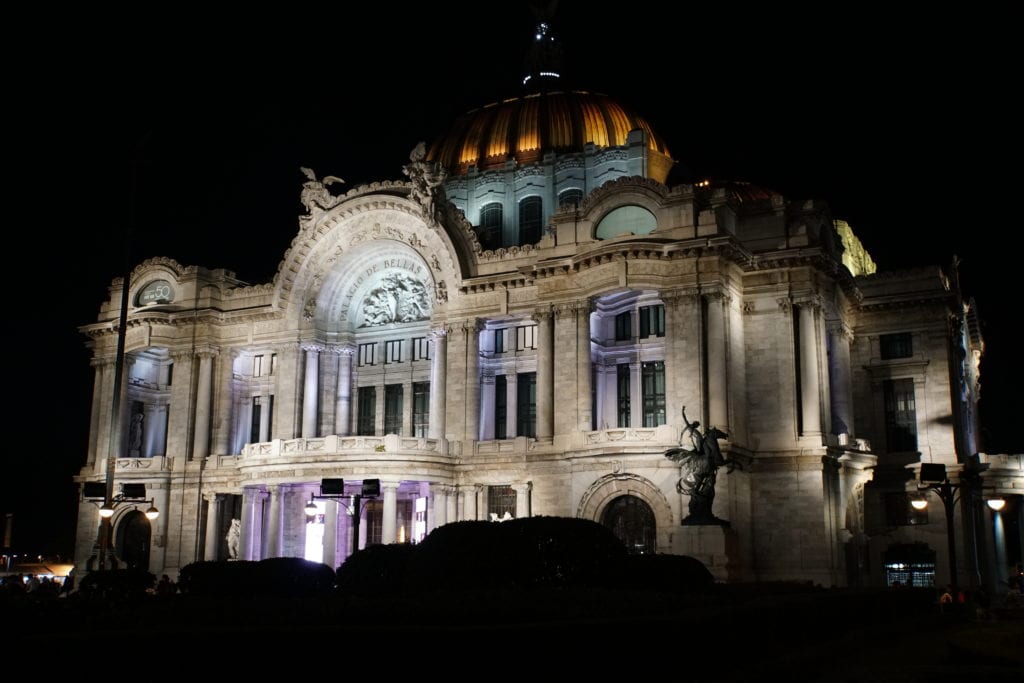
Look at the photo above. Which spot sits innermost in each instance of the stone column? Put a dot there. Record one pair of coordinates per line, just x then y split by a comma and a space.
718, 379
378, 410
215, 502
469, 502
252, 518
841, 399
584, 369
389, 527
343, 407
683, 351
636, 395
564, 378
204, 400
223, 402
440, 505
265, 406
99, 368
810, 392
180, 407
286, 388
330, 556
407, 400
438, 381
154, 430
274, 522
487, 405
472, 380
522, 499
310, 390
545, 374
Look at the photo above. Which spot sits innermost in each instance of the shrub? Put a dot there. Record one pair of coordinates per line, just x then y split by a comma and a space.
116, 584
378, 570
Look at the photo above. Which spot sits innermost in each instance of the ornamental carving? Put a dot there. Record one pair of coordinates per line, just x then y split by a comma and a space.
398, 299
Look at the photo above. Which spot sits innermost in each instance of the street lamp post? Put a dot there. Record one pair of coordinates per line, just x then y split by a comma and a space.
934, 477
334, 489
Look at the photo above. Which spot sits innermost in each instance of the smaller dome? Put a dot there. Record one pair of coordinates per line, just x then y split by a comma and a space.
526, 128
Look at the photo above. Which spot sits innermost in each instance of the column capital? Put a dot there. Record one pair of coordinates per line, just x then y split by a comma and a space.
438, 333
810, 301
564, 310
839, 328
543, 314
679, 295
785, 304
313, 346
340, 349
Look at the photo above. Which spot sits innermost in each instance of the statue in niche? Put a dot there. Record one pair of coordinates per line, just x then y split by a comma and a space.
135, 435
233, 537
315, 196
701, 463
426, 178
398, 299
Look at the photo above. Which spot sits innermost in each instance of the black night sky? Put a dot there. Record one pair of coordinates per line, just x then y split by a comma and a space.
897, 122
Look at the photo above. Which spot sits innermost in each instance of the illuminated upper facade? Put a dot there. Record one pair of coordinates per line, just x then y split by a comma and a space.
547, 377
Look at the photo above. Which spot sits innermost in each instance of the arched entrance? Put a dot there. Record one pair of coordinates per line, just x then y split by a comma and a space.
133, 538
632, 521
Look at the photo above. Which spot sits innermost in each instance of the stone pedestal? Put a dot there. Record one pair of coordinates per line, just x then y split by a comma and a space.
717, 546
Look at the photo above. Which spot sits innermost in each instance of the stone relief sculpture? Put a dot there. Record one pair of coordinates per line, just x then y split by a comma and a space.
233, 537
315, 196
426, 178
701, 463
398, 299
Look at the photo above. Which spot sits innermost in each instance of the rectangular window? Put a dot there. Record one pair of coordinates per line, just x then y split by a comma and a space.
501, 500
254, 425
652, 321
900, 415
526, 337
622, 392
624, 326
393, 351
896, 345
420, 409
257, 366
526, 404
393, 409
499, 340
420, 348
367, 411
652, 377
500, 407
374, 522
366, 354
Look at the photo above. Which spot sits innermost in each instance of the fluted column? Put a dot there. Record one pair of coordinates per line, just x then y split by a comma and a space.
438, 382
274, 521
310, 390
841, 399
718, 379
154, 430
389, 516
472, 329
545, 374
810, 403
683, 351
204, 400
407, 401
584, 369
215, 503
343, 405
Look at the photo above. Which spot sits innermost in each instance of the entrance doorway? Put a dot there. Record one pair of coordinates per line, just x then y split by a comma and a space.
632, 521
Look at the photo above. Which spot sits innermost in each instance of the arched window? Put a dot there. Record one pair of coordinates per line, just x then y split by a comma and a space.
490, 225
626, 220
632, 521
573, 196
531, 217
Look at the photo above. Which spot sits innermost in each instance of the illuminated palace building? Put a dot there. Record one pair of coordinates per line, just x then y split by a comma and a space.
515, 329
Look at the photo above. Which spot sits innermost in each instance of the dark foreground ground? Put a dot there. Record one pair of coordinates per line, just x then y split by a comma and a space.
734, 635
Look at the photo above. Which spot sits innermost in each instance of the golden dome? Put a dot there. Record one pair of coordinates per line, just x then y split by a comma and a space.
525, 128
